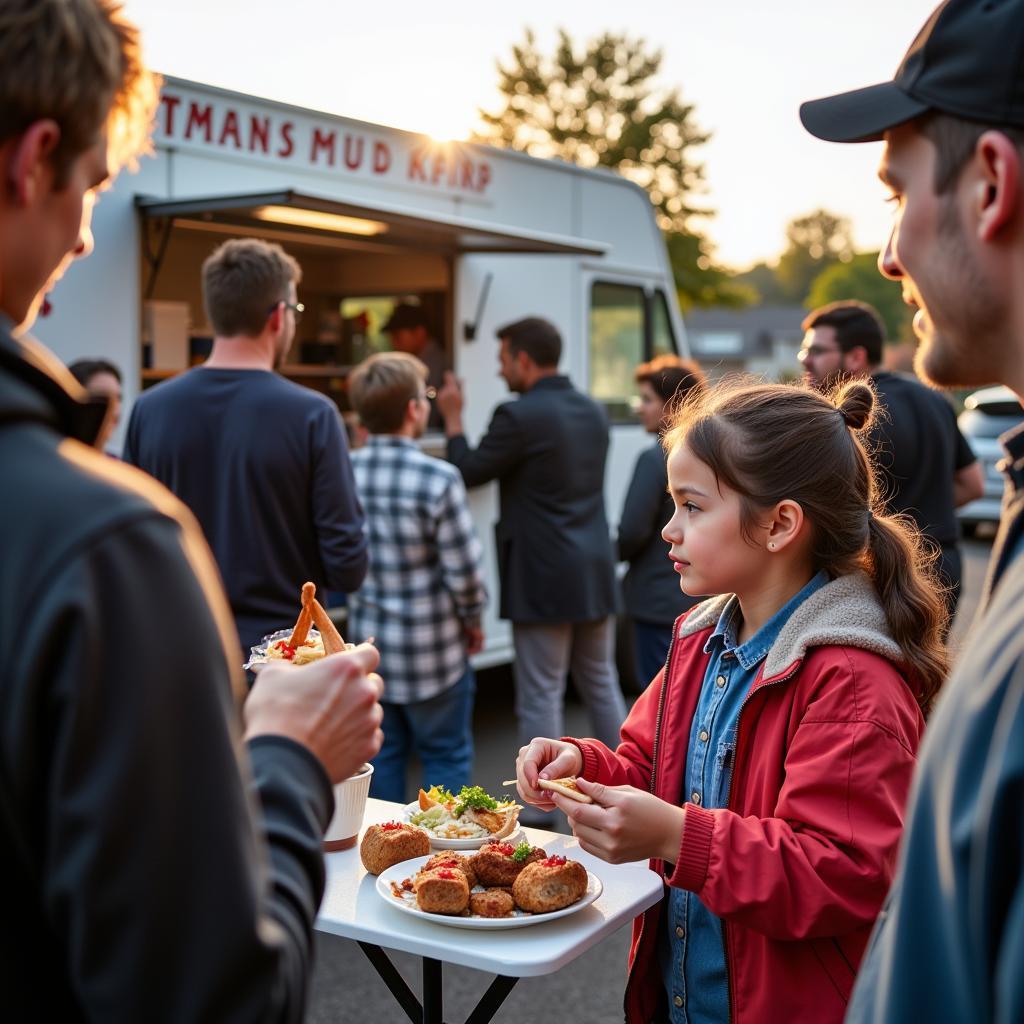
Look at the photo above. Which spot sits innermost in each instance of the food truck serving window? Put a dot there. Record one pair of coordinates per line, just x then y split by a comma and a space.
628, 326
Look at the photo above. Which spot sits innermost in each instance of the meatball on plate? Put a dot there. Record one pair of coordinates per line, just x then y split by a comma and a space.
488, 907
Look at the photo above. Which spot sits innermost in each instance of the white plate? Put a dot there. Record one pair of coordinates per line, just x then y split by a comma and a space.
519, 919
438, 843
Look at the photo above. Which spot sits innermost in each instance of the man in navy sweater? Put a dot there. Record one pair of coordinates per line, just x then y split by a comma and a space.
261, 462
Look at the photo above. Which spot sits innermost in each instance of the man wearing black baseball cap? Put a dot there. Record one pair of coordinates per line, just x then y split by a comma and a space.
949, 945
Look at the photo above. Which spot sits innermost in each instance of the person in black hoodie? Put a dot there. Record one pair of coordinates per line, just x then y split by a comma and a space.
161, 849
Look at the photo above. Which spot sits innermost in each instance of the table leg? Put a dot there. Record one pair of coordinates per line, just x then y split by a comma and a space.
491, 1000
394, 981
432, 1010
433, 999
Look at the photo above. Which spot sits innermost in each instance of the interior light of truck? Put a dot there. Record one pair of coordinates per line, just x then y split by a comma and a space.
321, 221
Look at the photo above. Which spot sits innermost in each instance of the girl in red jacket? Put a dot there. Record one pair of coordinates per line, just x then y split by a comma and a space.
765, 769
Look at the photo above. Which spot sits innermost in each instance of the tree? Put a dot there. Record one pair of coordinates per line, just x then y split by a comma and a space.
699, 282
860, 279
600, 107
814, 242
763, 282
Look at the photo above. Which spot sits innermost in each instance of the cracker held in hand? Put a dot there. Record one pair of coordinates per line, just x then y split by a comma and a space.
567, 787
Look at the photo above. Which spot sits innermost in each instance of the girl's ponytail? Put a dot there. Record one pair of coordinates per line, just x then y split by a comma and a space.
911, 596
901, 567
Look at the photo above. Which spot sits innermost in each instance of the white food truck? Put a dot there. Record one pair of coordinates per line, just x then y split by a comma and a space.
476, 236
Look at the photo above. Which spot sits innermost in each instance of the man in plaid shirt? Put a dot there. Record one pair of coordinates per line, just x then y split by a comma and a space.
424, 592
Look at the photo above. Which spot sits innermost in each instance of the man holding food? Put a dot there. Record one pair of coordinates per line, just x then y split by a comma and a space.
162, 856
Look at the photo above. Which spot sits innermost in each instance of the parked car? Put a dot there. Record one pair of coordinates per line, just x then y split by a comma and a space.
987, 414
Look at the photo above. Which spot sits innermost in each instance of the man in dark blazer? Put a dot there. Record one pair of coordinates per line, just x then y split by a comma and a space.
555, 559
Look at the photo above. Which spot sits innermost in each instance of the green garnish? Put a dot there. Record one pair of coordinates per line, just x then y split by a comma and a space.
521, 852
474, 796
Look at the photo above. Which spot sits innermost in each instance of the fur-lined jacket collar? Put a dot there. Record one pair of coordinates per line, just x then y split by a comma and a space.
846, 612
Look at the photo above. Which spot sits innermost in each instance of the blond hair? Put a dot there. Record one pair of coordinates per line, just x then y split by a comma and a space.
79, 63
381, 387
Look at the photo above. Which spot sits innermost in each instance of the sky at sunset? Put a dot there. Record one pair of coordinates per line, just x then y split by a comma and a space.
745, 64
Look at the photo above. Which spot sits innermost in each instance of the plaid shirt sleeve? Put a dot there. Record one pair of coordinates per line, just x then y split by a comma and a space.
459, 553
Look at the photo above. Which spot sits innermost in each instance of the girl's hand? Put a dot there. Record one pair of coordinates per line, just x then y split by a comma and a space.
552, 759
624, 823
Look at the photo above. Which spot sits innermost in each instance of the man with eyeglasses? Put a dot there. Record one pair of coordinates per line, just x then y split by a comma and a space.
262, 462
927, 467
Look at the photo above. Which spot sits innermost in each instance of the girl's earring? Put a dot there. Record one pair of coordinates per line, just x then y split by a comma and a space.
771, 544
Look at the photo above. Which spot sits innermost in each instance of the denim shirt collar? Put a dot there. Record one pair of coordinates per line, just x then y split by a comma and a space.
756, 649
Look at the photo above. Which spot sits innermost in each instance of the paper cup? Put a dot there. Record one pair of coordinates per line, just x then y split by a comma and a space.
349, 806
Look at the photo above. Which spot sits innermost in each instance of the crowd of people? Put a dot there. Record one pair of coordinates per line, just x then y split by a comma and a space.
834, 809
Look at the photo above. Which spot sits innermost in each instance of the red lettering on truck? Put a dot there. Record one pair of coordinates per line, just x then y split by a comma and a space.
259, 133
354, 152
200, 117
381, 158
416, 170
230, 130
287, 143
170, 104
322, 141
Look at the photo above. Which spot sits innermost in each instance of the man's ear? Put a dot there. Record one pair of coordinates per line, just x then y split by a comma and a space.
996, 195
856, 360
28, 170
275, 318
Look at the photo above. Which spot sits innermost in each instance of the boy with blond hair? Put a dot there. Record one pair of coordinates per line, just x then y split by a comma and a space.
424, 591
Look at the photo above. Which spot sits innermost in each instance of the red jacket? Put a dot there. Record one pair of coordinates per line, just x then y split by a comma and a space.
798, 864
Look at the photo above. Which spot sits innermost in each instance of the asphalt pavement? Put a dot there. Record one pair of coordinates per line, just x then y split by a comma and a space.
346, 988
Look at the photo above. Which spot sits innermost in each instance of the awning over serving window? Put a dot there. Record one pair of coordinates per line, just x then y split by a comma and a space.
366, 222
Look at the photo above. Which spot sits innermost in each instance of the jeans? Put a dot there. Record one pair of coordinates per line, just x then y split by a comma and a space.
439, 730
650, 642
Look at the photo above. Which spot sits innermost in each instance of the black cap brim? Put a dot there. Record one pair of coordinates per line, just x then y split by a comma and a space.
862, 115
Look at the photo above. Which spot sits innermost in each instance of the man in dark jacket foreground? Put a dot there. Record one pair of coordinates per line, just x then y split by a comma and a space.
155, 869
950, 943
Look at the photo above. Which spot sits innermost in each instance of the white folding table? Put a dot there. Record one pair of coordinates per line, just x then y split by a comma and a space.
353, 909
